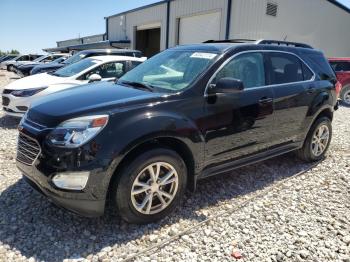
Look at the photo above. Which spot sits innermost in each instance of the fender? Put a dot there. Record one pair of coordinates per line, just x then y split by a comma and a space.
135, 129
323, 101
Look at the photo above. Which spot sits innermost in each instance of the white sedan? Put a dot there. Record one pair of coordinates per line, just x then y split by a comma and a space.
18, 95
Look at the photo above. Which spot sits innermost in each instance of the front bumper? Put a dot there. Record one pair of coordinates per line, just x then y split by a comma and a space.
15, 106
81, 203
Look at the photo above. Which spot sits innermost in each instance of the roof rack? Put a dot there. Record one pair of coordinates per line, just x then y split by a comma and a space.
284, 43
230, 41
261, 42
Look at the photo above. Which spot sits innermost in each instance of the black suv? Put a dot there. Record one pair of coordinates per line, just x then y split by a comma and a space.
185, 114
81, 55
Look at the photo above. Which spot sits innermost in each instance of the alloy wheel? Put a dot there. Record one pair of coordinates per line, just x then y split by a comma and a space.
320, 140
154, 188
346, 97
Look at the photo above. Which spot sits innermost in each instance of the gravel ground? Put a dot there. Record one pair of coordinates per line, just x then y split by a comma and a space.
271, 211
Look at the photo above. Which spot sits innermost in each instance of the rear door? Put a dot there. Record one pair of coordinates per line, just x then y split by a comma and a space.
293, 87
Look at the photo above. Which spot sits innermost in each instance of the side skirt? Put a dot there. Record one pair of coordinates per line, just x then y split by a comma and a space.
247, 160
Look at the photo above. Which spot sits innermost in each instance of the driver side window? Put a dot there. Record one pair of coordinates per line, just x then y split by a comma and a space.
108, 70
248, 67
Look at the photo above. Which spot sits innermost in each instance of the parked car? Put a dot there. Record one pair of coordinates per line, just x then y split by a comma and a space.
9, 64
18, 95
84, 54
187, 113
5, 58
342, 68
24, 69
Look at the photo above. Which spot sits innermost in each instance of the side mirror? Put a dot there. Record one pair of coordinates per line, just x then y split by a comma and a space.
94, 78
226, 85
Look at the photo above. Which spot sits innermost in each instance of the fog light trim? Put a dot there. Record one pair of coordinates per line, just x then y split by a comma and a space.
71, 180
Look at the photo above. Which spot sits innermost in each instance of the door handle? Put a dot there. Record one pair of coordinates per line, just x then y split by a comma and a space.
265, 100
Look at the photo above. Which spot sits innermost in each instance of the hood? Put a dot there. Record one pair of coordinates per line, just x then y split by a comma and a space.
32, 64
51, 66
34, 81
86, 99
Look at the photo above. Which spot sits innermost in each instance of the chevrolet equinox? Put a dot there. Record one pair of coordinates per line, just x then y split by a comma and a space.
187, 113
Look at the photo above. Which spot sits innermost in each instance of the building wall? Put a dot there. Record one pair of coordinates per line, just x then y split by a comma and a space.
78, 41
316, 22
122, 27
93, 38
183, 8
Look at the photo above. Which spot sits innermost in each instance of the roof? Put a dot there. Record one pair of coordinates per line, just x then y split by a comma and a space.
335, 2
111, 58
139, 8
340, 5
209, 47
96, 45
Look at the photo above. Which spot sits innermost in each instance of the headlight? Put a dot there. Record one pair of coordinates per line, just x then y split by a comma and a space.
78, 131
28, 92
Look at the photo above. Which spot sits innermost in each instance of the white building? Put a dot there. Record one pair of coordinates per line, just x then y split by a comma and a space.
324, 24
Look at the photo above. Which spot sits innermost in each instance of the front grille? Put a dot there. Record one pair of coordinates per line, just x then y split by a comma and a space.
5, 101
22, 108
7, 91
28, 149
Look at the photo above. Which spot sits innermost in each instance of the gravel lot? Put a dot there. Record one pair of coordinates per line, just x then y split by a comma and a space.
271, 211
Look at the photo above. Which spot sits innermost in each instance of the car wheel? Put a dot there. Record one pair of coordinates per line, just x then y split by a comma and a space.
150, 186
345, 95
317, 141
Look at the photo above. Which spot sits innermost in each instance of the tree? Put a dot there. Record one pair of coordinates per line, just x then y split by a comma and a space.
12, 52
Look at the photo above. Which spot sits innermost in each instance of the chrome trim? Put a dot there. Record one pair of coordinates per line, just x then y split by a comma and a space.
261, 51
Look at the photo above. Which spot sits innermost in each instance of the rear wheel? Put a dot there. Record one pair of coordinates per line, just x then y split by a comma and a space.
345, 95
317, 141
150, 186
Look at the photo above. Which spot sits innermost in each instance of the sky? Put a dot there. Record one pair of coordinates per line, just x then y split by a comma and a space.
30, 25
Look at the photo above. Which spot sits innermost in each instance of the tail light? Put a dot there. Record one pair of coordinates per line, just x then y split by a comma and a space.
338, 87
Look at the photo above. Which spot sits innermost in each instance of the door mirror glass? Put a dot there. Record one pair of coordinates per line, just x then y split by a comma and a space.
226, 85
94, 78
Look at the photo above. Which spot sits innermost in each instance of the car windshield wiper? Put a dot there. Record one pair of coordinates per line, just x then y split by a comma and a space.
138, 85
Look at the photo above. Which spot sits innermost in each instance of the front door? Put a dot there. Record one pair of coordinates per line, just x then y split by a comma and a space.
239, 124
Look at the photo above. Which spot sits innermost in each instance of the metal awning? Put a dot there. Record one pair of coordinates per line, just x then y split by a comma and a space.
96, 45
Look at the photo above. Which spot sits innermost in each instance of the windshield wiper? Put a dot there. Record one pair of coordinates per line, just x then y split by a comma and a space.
138, 85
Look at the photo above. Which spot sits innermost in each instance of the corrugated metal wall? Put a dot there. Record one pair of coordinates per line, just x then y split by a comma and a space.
183, 8
75, 41
316, 22
78, 41
122, 27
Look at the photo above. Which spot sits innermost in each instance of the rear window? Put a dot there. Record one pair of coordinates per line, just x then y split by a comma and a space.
284, 68
340, 66
320, 65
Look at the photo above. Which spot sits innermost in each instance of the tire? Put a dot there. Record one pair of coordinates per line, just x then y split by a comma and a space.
307, 152
345, 95
137, 171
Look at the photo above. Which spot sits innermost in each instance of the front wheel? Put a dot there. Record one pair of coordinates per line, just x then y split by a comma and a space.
150, 186
345, 95
317, 141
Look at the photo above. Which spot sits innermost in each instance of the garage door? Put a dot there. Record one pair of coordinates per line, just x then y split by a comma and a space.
199, 28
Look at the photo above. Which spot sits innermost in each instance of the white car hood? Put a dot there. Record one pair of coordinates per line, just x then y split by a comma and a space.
34, 81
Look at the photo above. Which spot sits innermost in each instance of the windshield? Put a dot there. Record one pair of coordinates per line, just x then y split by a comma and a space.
40, 58
58, 60
173, 70
75, 68
75, 58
